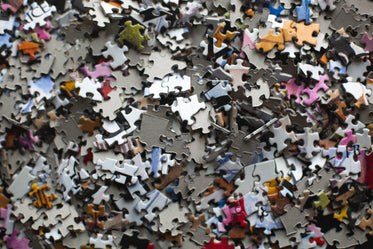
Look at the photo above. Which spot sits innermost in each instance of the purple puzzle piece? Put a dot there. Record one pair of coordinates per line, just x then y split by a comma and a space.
312, 93
28, 140
15, 243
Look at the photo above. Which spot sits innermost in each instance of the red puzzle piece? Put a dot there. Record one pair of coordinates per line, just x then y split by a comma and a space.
222, 245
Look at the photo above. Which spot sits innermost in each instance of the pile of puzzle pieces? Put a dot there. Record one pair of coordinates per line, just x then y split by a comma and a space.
186, 124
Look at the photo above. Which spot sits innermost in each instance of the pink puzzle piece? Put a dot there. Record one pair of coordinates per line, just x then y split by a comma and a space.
313, 228
294, 90
7, 7
368, 42
101, 70
246, 41
235, 213
312, 93
349, 138
43, 33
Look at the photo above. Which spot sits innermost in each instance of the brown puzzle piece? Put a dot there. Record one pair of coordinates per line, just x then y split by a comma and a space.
89, 125
238, 232
230, 187
335, 100
344, 197
364, 223
178, 238
174, 172
278, 209
197, 221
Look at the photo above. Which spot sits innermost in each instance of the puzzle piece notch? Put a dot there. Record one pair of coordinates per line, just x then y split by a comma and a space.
101, 243
223, 244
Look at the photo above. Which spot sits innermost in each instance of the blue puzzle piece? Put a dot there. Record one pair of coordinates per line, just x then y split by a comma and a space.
269, 223
274, 11
5, 40
337, 64
26, 108
43, 86
156, 154
171, 191
258, 157
303, 12
220, 89
230, 168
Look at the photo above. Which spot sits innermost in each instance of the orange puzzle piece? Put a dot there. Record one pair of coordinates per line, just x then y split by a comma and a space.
305, 33
289, 30
3, 200
29, 48
220, 37
269, 41
94, 222
42, 197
